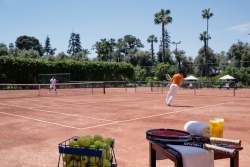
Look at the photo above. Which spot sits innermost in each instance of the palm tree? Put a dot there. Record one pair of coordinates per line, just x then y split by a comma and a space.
206, 14
163, 17
204, 37
152, 39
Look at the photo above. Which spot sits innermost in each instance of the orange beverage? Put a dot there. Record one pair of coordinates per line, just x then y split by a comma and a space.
216, 127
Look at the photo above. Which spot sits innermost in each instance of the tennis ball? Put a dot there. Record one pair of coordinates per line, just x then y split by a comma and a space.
76, 157
84, 160
104, 146
73, 143
109, 156
70, 164
98, 137
92, 147
109, 141
106, 163
94, 160
67, 157
98, 144
83, 165
84, 142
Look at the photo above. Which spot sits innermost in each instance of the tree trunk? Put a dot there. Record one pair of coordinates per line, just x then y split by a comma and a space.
207, 49
163, 42
152, 50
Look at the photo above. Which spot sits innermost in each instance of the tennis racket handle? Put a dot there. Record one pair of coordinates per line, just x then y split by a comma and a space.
220, 149
224, 141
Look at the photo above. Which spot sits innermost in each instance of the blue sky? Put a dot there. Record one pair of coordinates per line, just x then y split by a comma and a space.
96, 19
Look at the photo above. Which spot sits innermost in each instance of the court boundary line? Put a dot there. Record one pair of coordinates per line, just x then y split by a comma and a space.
112, 122
53, 112
151, 116
39, 120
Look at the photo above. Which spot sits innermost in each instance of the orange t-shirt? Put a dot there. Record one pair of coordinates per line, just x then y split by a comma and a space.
177, 79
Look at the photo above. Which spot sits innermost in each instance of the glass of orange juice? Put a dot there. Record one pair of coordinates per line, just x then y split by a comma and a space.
216, 127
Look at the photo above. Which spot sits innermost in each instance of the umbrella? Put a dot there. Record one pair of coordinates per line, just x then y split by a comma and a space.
227, 77
191, 78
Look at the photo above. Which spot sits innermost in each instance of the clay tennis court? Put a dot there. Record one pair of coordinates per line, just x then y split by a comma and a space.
32, 126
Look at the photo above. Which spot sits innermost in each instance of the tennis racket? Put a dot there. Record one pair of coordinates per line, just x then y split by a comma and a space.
178, 137
168, 77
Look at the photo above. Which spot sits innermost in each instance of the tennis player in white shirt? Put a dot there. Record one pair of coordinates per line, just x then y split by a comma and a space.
52, 85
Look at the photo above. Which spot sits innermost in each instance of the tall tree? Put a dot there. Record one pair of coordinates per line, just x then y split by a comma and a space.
74, 44
47, 47
152, 39
204, 37
163, 17
27, 43
206, 14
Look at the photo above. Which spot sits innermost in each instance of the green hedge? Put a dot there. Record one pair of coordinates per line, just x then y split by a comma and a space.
26, 70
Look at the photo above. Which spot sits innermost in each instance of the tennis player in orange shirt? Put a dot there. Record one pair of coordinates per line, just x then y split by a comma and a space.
176, 81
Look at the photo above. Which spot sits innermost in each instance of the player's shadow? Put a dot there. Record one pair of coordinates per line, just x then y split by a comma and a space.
181, 106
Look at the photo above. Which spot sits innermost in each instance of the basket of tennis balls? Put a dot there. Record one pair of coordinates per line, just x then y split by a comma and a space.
87, 151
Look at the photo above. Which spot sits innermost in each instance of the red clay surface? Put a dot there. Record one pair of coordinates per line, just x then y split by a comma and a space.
31, 128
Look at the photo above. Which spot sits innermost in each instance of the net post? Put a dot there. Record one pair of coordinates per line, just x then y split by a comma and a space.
151, 86
125, 85
162, 85
195, 89
104, 88
234, 91
39, 88
135, 86
92, 88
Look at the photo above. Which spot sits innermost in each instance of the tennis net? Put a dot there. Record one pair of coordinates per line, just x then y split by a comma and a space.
109, 87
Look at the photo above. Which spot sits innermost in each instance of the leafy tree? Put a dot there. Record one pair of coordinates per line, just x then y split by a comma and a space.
31, 53
167, 57
121, 50
185, 63
82, 55
140, 74
62, 56
3, 49
140, 58
104, 49
74, 44
238, 53
222, 60
12, 49
202, 64
163, 17
152, 39
132, 42
241, 74
29, 43
47, 47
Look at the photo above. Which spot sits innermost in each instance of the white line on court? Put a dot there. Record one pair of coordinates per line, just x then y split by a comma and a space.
151, 116
39, 120
54, 112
